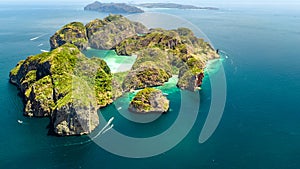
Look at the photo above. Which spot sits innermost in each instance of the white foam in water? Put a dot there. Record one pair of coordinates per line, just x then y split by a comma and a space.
32, 39
213, 66
37, 37
42, 50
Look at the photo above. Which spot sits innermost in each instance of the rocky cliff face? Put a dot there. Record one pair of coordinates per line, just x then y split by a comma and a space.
149, 100
74, 33
64, 85
107, 33
98, 34
180, 50
145, 76
150, 69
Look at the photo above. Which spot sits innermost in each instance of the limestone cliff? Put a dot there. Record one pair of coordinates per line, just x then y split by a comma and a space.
150, 69
107, 33
149, 100
66, 86
98, 34
74, 33
179, 49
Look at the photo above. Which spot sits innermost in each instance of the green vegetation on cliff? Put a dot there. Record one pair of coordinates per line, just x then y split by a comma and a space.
109, 32
64, 79
172, 51
150, 69
69, 87
98, 34
93, 26
74, 33
148, 75
15, 70
160, 53
149, 100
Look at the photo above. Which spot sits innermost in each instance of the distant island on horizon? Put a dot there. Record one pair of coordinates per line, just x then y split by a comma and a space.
115, 8
173, 5
119, 8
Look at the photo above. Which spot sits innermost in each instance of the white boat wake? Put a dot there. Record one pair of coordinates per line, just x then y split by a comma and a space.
110, 127
106, 128
32, 39
37, 37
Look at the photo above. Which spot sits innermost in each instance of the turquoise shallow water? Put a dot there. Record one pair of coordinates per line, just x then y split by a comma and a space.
260, 126
116, 63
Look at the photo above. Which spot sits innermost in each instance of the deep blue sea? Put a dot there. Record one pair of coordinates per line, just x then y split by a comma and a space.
260, 126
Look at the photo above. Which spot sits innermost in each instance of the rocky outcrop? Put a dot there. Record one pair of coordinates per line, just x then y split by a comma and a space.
107, 33
150, 69
39, 96
155, 39
76, 113
149, 100
188, 80
66, 86
148, 75
179, 50
98, 34
74, 33
115, 8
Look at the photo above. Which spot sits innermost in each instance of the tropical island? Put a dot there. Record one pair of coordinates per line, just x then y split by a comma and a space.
149, 100
173, 5
116, 8
69, 87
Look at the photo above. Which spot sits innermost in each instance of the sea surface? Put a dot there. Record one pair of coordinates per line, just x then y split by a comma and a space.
260, 126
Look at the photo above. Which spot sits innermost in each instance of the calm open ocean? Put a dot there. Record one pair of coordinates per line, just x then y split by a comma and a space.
260, 127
